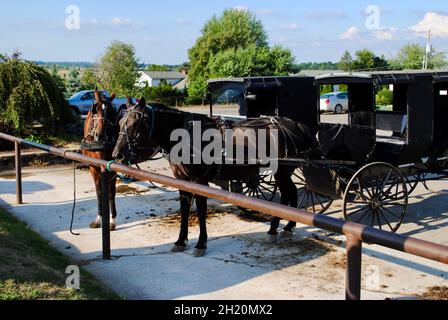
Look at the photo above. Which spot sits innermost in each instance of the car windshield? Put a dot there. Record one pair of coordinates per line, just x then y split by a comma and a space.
76, 95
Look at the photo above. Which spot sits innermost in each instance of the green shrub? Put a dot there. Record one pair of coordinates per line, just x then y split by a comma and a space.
384, 97
164, 93
29, 95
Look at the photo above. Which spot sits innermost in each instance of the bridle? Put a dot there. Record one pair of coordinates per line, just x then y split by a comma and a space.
133, 142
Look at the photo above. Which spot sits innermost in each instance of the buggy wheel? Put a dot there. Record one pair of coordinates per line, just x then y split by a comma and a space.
308, 200
262, 187
377, 196
413, 182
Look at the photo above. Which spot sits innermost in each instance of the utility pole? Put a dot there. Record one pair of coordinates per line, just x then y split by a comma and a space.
428, 51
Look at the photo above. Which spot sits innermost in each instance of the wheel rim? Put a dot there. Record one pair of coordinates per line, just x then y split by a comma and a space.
308, 200
377, 196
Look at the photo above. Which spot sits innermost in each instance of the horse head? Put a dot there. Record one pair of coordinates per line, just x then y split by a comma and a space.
100, 123
136, 133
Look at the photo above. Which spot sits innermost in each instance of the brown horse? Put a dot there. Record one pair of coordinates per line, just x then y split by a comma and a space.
153, 126
100, 137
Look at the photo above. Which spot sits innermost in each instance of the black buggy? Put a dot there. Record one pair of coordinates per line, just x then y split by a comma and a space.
392, 147
254, 97
392, 138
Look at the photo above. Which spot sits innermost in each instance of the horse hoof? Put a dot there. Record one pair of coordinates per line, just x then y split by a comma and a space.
286, 234
113, 227
272, 238
95, 225
199, 253
177, 249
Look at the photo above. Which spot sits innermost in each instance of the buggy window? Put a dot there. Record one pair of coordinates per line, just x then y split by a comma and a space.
391, 110
229, 99
392, 98
356, 100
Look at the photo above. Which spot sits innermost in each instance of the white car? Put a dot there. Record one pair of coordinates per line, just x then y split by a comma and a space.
336, 102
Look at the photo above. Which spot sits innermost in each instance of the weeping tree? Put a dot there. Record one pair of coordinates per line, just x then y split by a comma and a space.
29, 95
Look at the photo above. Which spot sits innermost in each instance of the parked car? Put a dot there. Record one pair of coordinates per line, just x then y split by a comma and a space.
336, 102
81, 102
230, 96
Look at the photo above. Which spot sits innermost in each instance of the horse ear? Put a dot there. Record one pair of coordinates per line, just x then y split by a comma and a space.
142, 102
97, 95
112, 97
129, 102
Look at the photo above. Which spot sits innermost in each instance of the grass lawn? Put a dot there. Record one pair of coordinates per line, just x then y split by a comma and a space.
30, 269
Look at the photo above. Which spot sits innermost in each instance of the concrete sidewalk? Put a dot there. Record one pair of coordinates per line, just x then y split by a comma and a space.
239, 264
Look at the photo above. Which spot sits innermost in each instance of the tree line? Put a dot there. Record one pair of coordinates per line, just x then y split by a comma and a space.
233, 44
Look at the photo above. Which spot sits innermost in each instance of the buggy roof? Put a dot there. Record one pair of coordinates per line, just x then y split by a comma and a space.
381, 77
251, 82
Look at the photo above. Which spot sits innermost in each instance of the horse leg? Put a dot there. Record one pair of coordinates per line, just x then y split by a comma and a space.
112, 205
95, 172
201, 247
292, 199
185, 207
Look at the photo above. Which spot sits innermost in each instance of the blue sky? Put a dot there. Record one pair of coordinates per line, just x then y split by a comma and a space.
162, 31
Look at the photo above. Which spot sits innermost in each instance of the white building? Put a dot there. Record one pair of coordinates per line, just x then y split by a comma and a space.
153, 78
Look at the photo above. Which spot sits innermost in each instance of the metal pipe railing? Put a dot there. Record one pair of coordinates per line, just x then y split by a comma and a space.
355, 233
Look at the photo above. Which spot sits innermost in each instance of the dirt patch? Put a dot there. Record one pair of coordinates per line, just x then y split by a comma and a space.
126, 189
253, 216
436, 293
282, 254
338, 261
175, 219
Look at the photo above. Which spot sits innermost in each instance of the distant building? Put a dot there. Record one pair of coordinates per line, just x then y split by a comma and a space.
154, 78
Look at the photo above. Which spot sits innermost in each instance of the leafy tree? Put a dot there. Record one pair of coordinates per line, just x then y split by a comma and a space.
73, 82
118, 68
58, 79
346, 63
317, 66
89, 80
411, 57
29, 93
156, 67
234, 44
365, 60
281, 61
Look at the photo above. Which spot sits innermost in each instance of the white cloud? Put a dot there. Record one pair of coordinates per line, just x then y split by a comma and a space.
385, 34
351, 34
117, 21
291, 26
438, 23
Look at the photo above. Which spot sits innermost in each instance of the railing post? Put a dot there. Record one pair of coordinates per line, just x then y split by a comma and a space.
354, 262
105, 208
18, 165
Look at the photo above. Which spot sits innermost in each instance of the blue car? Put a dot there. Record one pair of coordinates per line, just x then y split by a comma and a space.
82, 101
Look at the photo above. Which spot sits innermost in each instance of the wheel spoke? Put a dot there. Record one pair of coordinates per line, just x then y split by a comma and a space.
363, 215
391, 213
387, 221
358, 211
312, 200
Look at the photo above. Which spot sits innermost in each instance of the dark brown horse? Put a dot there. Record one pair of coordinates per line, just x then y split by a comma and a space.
100, 137
153, 127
